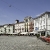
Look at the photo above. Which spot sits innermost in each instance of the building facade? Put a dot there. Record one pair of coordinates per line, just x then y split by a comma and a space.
19, 27
9, 29
41, 23
29, 24
1, 29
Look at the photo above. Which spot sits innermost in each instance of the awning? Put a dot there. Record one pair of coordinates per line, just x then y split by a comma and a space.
41, 30
33, 32
24, 33
12, 33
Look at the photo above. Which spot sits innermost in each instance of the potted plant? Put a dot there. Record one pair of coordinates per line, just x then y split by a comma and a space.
38, 35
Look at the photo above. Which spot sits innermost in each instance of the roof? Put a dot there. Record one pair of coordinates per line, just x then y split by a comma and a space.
20, 22
47, 12
9, 24
27, 17
1, 25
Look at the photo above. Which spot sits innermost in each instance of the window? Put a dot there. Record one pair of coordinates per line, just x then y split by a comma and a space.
41, 27
26, 20
29, 18
36, 28
1, 30
22, 28
48, 15
35, 24
40, 21
9, 30
44, 26
25, 28
44, 21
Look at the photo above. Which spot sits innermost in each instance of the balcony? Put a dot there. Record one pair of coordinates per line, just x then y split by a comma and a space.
31, 27
31, 24
30, 30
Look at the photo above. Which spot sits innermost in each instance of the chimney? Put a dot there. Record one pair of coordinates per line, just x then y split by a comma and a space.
16, 21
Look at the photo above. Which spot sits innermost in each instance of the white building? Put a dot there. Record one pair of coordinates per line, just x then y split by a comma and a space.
29, 24
19, 27
9, 28
1, 29
26, 26
42, 23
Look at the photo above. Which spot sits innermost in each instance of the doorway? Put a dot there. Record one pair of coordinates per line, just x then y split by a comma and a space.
43, 33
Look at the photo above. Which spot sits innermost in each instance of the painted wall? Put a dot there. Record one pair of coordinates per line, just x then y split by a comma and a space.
1, 30
8, 29
19, 27
40, 23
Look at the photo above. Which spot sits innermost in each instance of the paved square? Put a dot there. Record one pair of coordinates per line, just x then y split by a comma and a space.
22, 43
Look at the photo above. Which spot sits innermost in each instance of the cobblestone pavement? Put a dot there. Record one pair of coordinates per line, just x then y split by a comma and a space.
22, 43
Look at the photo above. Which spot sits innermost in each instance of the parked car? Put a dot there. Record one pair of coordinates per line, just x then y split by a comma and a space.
43, 38
46, 39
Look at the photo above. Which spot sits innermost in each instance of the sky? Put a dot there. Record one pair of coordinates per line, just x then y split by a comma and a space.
10, 10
